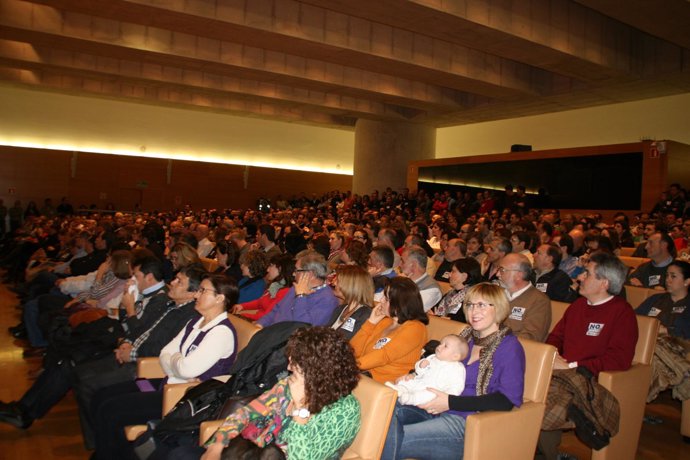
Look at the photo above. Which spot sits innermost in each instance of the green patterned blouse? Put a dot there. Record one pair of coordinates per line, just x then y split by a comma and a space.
325, 436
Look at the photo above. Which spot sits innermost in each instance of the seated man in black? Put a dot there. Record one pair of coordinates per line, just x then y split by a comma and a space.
550, 280
661, 249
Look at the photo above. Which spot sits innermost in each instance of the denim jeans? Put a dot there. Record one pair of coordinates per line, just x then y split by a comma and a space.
414, 433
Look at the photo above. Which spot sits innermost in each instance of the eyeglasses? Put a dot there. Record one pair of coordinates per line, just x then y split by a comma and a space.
478, 305
301, 270
203, 289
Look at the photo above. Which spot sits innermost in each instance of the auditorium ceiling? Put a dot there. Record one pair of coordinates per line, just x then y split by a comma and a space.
331, 62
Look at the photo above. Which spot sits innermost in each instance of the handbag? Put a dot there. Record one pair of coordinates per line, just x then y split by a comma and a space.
243, 449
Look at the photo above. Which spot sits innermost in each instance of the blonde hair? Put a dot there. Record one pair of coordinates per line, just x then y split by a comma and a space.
491, 293
186, 255
356, 285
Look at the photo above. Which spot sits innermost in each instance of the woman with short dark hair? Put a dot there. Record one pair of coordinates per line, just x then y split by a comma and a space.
252, 284
464, 274
390, 342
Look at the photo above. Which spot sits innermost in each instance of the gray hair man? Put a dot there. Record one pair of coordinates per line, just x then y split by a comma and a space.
310, 299
413, 266
598, 331
530, 309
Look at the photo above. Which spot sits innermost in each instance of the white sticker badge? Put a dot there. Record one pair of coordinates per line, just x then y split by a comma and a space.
517, 313
654, 280
542, 286
380, 343
654, 312
594, 329
349, 325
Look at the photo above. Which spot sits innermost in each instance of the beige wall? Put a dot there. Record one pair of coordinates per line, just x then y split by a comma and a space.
38, 119
57, 121
660, 118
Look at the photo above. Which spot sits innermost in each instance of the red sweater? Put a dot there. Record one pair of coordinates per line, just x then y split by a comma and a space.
263, 304
601, 338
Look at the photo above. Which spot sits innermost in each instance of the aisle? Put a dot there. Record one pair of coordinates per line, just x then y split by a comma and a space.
56, 436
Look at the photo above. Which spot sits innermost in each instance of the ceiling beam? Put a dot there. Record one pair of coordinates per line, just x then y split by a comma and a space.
292, 27
24, 55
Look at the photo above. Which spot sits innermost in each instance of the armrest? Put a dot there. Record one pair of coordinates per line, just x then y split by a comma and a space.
132, 432
149, 368
247, 312
490, 435
630, 388
207, 429
172, 393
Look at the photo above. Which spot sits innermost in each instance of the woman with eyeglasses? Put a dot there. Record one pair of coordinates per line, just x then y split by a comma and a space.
205, 348
389, 343
495, 376
361, 235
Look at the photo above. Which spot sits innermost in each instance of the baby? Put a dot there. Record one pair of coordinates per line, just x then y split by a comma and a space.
442, 371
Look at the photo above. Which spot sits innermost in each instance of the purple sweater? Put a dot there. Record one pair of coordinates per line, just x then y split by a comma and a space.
508, 377
315, 308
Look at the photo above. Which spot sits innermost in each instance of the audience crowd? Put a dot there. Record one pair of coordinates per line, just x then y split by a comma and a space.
373, 268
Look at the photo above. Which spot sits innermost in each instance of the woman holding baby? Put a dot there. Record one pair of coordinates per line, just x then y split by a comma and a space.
495, 370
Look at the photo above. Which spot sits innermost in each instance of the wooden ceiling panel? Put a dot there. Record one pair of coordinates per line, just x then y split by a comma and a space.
331, 62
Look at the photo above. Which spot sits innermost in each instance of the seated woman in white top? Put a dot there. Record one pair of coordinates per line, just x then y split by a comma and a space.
206, 347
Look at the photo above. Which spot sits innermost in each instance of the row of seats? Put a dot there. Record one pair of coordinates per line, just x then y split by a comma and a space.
378, 401
519, 428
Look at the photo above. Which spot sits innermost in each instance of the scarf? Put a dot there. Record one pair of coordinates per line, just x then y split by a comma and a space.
274, 287
451, 302
489, 345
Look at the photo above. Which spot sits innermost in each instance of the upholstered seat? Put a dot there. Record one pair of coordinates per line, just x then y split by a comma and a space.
445, 287
633, 262
210, 265
635, 295
439, 327
150, 368
629, 387
500, 435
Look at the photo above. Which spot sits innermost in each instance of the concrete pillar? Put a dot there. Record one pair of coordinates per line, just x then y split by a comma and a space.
383, 150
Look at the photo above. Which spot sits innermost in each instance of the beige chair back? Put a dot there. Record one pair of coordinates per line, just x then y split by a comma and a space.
245, 330
538, 368
633, 262
496, 435
647, 327
635, 295
210, 265
627, 252
445, 287
377, 403
439, 327
557, 311
630, 388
